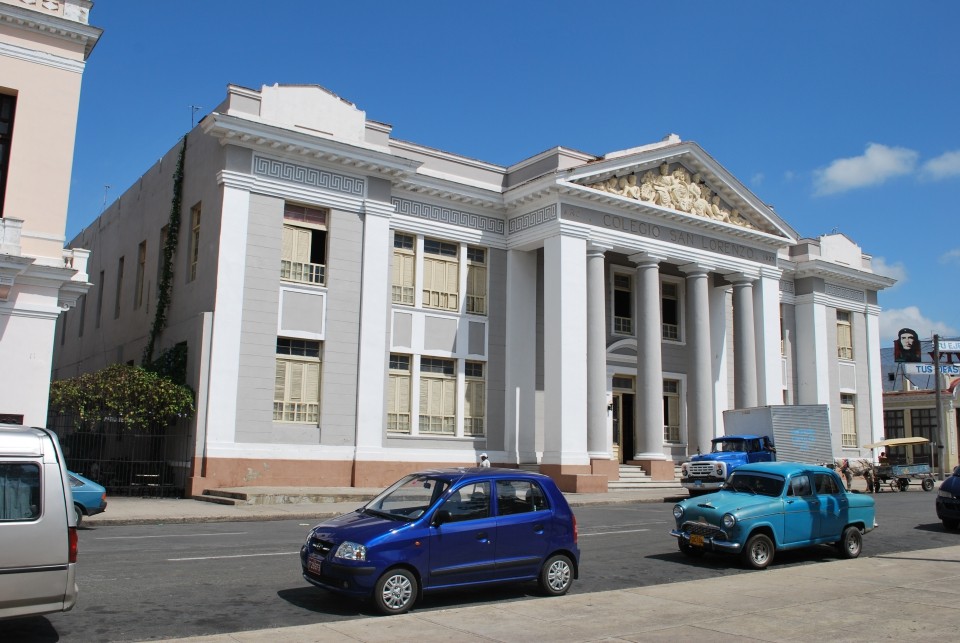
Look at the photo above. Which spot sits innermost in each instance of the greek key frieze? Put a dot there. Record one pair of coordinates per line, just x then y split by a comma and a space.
309, 176
844, 293
447, 215
532, 219
787, 287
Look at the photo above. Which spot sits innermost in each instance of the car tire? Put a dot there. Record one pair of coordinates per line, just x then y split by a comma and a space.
689, 550
904, 484
927, 484
951, 525
556, 575
758, 552
395, 591
78, 512
851, 543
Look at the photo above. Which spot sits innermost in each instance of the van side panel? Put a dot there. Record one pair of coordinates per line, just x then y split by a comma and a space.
36, 576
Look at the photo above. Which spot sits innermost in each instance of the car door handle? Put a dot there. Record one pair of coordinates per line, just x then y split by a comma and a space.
482, 536
538, 528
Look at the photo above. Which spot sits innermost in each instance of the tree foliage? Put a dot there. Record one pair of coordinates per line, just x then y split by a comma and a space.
133, 396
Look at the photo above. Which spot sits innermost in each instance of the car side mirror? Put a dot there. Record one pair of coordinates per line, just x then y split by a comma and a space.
442, 516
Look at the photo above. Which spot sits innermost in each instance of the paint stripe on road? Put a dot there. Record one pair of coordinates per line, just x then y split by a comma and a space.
279, 553
226, 533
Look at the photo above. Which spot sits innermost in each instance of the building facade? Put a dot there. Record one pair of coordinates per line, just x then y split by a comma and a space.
355, 306
43, 51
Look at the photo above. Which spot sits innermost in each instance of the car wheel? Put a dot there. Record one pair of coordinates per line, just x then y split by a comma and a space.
556, 575
688, 550
851, 543
395, 592
759, 551
927, 484
78, 512
904, 484
951, 525
894, 485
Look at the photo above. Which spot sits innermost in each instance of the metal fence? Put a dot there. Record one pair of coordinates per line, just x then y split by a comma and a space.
151, 462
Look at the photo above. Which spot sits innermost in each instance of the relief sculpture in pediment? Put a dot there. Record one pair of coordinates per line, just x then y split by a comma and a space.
676, 190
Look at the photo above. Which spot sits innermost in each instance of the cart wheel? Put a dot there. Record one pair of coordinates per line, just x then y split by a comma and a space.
894, 485
927, 484
904, 484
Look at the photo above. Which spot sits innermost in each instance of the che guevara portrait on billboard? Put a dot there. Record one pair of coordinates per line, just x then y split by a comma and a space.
906, 347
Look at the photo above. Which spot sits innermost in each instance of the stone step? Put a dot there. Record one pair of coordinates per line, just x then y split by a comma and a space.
283, 496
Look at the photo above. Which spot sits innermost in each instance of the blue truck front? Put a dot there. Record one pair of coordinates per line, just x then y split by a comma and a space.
706, 472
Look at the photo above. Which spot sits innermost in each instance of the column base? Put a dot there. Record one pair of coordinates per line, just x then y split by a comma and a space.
575, 478
605, 467
659, 470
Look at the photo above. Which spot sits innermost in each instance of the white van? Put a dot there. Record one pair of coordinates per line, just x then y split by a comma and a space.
38, 529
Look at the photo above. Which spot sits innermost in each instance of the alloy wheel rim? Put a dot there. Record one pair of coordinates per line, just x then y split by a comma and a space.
397, 591
559, 575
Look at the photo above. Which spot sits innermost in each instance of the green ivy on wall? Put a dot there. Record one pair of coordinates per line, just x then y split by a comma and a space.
169, 251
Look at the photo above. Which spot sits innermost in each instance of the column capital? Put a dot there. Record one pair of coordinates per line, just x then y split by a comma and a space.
594, 248
696, 269
646, 259
741, 278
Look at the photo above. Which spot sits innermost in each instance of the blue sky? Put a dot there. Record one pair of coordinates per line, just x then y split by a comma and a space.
841, 115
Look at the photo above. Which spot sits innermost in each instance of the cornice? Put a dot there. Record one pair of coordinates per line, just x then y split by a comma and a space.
451, 191
42, 58
274, 140
50, 25
850, 276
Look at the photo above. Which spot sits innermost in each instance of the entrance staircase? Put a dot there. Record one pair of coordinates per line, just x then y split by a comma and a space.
634, 478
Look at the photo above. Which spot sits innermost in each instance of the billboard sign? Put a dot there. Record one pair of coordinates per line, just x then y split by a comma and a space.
928, 369
906, 347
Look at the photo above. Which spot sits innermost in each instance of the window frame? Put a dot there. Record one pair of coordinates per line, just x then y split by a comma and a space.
626, 324
119, 292
444, 423
848, 421
194, 245
8, 101
678, 330
844, 334
400, 367
474, 385
477, 275
672, 433
141, 269
445, 256
403, 284
306, 353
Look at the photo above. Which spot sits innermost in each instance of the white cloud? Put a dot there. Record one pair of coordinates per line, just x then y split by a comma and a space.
877, 164
896, 270
943, 167
757, 179
910, 317
951, 256
789, 175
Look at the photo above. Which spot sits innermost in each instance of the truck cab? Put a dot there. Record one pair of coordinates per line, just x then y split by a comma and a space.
707, 472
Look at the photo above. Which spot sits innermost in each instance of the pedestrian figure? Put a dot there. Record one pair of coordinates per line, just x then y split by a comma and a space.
872, 485
484, 461
847, 473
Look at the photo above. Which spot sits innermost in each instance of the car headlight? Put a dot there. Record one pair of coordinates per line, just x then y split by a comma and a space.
943, 493
677, 512
351, 551
683, 469
729, 520
719, 469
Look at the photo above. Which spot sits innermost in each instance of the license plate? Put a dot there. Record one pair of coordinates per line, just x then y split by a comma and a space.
696, 540
314, 565
697, 483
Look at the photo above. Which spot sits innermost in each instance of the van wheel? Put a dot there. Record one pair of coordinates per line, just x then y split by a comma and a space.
556, 575
759, 552
851, 543
78, 512
395, 592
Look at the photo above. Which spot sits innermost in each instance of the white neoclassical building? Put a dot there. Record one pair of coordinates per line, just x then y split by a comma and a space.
44, 47
356, 306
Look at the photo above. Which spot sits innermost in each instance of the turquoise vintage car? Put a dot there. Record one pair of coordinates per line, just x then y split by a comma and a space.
769, 506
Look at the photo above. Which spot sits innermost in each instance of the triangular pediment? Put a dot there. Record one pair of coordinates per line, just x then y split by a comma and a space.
682, 179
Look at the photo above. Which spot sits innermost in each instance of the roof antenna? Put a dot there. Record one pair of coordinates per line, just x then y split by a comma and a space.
103, 207
193, 114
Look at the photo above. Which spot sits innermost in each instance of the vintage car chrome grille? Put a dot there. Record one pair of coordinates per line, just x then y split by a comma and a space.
702, 468
704, 529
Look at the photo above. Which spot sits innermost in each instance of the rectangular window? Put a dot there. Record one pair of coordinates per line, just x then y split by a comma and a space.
848, 421
63, 327
100, 299
783, 333
671, 411
475, 402
164, 233
141, 269
20, 492
82, 307
844, 335
622, 304
303, 256
404, 269
670, 311
8, 108
194, 248
438, 396
441, 275
477, 281
923, 424
116, 305
398, 394
296, 393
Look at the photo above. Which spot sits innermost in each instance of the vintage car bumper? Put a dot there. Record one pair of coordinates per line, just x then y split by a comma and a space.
702, 484
710, 542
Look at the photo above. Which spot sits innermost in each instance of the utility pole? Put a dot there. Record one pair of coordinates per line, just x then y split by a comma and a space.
936, 374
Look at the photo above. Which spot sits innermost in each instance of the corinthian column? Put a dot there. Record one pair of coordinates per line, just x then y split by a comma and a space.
700, 412
648, 415
744, 346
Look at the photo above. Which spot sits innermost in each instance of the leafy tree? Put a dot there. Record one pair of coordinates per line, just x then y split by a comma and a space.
135, 397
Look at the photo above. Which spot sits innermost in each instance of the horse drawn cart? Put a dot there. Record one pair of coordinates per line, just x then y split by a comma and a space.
899, 475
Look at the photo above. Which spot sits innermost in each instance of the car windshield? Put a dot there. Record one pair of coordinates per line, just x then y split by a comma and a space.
408, 498
755, 483
727, 445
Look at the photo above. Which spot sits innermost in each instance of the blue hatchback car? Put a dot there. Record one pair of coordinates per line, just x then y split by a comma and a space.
771, 506
89, 498
948, 501
447, 528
